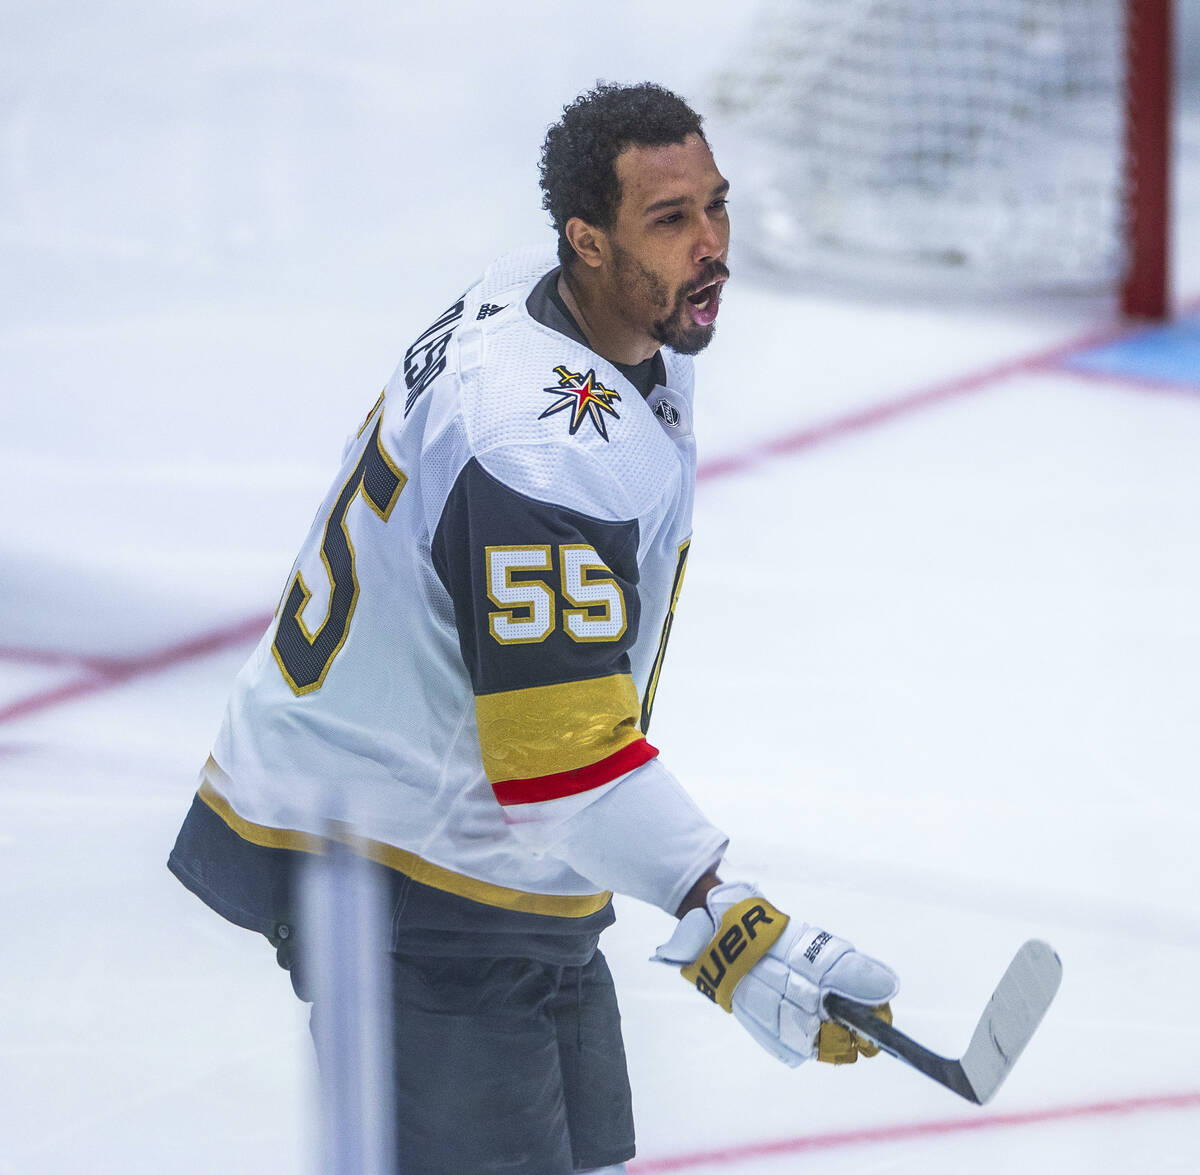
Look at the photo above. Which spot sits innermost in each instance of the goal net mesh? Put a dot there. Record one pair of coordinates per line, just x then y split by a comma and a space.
982, 137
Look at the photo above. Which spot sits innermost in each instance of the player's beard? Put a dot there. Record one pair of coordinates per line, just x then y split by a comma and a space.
675, 328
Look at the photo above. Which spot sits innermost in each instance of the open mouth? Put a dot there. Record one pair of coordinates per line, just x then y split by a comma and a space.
704, 304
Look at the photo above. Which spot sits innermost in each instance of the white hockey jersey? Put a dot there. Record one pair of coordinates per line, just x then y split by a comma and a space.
467, 650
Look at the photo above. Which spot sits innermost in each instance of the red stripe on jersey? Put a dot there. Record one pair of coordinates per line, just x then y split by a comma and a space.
572, 783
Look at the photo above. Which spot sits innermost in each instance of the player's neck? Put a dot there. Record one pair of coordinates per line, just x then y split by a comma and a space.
606, 333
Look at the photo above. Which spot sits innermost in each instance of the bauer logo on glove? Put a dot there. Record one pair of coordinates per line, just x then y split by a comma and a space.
773, 974
747, 930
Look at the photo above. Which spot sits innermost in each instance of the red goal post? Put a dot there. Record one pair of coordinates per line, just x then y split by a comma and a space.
1145, 291
1005, 145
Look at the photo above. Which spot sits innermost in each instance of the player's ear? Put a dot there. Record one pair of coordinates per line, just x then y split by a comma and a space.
589, 243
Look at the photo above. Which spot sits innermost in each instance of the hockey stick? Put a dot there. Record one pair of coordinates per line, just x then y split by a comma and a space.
1010, 1019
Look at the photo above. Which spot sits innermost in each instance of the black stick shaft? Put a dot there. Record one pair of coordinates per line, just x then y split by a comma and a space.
943, 1070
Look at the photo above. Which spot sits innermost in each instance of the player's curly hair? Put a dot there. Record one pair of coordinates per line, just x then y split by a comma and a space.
578, 166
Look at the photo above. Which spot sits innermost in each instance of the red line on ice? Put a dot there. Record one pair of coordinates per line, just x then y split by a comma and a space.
862, 418
102, 673
41, 656
836, 1140
105, 673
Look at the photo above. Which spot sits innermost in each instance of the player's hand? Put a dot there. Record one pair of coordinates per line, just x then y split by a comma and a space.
774, 973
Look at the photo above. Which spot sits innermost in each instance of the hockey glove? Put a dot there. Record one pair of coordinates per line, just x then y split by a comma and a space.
773, 974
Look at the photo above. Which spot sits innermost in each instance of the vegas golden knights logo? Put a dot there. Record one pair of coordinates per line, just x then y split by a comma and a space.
585, 396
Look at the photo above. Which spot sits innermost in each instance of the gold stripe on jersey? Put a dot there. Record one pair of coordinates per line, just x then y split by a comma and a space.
668, 624
375, 408
547, 729
402, 861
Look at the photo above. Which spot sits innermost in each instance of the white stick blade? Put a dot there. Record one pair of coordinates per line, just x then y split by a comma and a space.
1011, 1017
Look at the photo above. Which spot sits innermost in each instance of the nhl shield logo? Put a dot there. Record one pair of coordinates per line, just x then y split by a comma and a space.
667, 413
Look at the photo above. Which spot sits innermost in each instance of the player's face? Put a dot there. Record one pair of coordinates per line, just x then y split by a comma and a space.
670, 243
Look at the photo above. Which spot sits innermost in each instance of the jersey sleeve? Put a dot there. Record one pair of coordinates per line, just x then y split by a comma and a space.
546, 607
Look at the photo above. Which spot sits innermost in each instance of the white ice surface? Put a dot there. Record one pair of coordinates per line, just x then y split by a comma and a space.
937, 678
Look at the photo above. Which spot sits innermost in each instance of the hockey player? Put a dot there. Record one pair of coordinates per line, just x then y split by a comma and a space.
465, 660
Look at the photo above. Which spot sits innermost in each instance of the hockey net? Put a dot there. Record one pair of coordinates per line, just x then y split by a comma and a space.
982, 138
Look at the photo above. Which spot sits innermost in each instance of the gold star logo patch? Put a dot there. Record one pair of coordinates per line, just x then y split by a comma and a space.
585, 396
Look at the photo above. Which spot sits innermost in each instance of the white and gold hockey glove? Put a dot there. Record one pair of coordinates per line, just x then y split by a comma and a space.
773, 974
